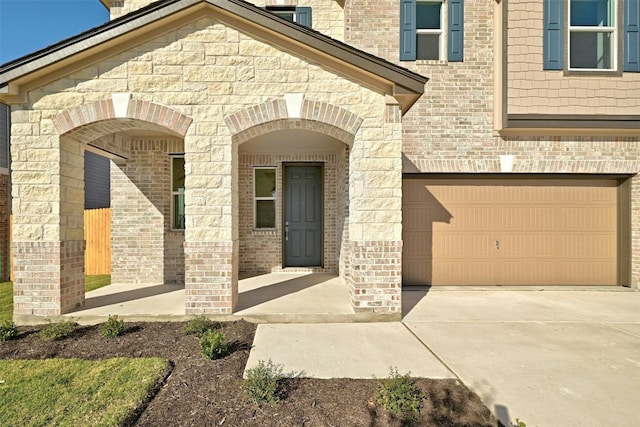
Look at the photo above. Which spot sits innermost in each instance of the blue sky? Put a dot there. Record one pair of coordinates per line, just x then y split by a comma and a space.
30, 25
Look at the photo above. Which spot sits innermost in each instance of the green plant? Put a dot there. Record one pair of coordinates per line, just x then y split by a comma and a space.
58, 330
519, 423
213, 345
399, 395
8, 330
112, 327
261, 382
199, 325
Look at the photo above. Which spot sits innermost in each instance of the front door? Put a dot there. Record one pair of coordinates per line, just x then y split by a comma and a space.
303, 216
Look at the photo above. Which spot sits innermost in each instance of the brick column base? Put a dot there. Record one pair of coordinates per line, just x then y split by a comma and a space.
211, 282
48, 277
375, 276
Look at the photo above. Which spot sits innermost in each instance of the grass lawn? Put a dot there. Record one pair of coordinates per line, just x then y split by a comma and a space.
74, 392
6, 292
92, 283
6, 300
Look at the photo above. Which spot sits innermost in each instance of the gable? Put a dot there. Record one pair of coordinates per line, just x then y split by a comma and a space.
162, 18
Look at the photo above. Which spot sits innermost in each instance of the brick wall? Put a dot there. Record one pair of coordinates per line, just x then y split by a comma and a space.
4, 228
454, 117
144, 248
261, 250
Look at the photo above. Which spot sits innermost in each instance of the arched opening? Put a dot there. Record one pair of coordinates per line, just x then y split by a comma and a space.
139, 141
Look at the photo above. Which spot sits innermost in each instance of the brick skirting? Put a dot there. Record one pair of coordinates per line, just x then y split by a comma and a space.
375, 275
48, 277
211, 282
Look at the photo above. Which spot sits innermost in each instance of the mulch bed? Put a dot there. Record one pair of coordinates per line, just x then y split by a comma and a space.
200, 392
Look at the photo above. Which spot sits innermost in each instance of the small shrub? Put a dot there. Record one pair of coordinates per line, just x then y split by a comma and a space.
112, 327
213, 345
261, 384
199, 325
519, 423
8, 330
399, 395
58, 330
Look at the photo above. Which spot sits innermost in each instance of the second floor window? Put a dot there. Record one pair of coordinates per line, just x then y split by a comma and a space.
429, 36
429, 31
592, 34
298, 14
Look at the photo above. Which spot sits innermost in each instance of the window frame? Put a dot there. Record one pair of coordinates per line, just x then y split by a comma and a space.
612, 30
441, 32
174, 193
256, 198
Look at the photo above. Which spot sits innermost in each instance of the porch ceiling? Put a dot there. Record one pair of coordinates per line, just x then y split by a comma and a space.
291, 141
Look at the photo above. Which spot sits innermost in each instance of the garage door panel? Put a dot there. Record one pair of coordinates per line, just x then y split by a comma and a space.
516, 231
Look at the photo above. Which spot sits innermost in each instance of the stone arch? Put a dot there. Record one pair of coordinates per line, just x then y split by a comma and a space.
88, 122
294, 111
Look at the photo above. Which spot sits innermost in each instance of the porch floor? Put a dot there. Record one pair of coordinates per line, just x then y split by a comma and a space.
269, 297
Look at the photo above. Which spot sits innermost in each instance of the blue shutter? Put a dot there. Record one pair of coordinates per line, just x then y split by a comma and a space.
553, 38
303, 16
631, 39
455, 48
407, 30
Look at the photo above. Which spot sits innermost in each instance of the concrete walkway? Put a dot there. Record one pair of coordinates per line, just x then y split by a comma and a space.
550, 358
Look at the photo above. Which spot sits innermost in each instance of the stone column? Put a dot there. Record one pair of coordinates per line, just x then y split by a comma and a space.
211, 246
375, 226
48, 230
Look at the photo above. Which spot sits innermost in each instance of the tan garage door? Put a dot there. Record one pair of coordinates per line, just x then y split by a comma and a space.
509, 232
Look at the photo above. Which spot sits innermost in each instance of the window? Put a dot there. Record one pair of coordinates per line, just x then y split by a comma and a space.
299, 15
177, 192
422, 30
594, 35
264, 197
429, 37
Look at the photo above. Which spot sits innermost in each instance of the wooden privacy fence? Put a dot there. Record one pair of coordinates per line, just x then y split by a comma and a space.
97, 234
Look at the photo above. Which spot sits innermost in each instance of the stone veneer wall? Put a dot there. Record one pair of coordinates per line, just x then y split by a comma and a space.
207, 72
261, 250
143, 246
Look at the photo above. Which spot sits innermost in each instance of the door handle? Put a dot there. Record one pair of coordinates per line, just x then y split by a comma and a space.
286, 234
497, 244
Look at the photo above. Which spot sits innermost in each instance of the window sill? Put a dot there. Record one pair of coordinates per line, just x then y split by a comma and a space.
592, 73
177, 230
264, 230
431, 62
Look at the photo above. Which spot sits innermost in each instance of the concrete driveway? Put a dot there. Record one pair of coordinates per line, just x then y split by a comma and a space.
550, 358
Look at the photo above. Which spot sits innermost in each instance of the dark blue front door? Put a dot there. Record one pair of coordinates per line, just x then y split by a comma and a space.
303, 216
